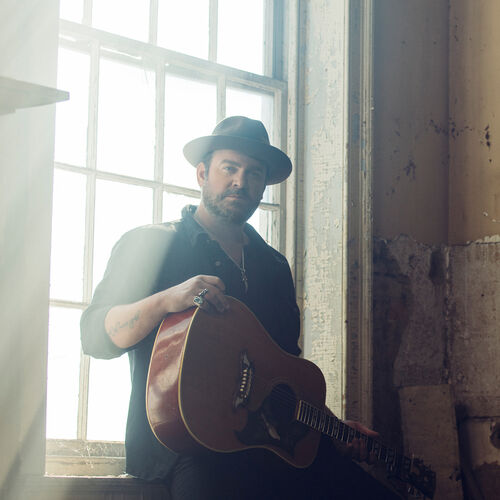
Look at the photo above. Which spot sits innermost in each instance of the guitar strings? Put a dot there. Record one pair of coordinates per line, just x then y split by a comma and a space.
289, 401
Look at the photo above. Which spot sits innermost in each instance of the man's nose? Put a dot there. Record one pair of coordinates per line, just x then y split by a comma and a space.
239, 179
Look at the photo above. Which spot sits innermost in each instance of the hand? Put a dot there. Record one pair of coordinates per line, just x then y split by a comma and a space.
356, 449
180, 297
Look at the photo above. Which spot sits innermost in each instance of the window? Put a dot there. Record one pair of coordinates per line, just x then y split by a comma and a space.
145, 77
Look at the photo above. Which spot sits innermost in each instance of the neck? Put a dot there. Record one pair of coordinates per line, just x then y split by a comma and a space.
221, 229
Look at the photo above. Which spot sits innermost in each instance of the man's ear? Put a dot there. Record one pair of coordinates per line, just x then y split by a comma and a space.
201, 173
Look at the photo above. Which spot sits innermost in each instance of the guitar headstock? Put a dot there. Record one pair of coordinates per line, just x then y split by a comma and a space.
421, 478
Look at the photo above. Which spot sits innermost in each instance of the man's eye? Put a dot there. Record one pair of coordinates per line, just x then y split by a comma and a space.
257, 174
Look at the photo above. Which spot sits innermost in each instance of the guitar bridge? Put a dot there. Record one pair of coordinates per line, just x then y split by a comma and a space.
244, 381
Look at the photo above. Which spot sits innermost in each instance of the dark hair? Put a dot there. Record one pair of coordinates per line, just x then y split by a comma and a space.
207, 160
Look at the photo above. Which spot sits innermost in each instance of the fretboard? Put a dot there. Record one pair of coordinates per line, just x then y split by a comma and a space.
397, 464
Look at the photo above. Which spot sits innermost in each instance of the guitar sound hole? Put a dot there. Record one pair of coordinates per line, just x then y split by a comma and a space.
282, 403
273, 423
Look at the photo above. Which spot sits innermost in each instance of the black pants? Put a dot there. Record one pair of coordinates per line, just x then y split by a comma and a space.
258, 474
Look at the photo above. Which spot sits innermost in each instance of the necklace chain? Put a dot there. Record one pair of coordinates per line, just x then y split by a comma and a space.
241, 267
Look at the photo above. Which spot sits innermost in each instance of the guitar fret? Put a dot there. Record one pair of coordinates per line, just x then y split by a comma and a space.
330, 425
316, 418
344, 429
306, 414
321, 421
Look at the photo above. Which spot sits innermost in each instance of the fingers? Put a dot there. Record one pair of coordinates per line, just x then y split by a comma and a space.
212, 280
213, 298
357, 448
361, 428
192, 292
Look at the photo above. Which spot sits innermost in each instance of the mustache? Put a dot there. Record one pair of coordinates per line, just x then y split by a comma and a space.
235, 191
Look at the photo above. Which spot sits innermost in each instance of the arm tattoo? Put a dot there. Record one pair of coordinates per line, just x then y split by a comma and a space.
119, 326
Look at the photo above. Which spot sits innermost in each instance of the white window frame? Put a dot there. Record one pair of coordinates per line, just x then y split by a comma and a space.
80, 456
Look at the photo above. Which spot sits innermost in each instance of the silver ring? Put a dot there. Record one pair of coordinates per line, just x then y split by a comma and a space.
203, 292
197, 300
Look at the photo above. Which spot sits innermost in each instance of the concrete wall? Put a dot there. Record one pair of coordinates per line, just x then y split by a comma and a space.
435, 189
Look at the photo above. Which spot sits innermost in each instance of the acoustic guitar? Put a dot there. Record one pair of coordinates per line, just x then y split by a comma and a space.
219, 381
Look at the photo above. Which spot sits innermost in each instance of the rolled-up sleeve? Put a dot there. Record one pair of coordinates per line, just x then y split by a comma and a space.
131, 275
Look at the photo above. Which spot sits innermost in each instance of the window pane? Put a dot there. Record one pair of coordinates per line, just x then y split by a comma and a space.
252, 104
71, 116
174, 203
72, 10
63, 373
128, 18
68, 236
109, 391
190, 111
256, 106
119, 207
240, 34
126, 128
183, 26
265, 223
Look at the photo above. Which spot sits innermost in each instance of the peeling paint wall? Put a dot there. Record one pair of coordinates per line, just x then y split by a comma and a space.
323, 191
413, 407
410, 174
474, 214
436, 179
474, 120
474, 346
435, 324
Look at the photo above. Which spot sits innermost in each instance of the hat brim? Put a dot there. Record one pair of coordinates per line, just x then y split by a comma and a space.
278, 164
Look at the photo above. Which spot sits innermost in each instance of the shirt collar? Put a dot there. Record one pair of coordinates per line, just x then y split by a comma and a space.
197, 233
194, 231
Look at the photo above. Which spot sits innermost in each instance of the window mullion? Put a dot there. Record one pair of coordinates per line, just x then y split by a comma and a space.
213, 20
268, 46
87, 12
153, 22
83, 397
160, 142
89, 230
221, 98
92, 166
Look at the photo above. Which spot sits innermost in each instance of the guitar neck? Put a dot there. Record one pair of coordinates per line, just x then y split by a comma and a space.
398, 465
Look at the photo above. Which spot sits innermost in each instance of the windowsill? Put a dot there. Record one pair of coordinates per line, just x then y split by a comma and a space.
68, 487
76, 457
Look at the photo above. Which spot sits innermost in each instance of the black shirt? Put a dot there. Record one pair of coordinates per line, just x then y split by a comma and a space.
152, 258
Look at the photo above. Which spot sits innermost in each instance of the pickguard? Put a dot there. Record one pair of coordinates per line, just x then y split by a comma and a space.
273, 423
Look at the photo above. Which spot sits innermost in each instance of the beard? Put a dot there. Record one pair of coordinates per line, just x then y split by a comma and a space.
234, 211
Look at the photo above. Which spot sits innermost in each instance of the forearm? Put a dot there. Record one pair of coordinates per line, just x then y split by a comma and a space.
128, 324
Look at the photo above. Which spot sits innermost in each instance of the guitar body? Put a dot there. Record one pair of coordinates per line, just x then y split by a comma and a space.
219, 381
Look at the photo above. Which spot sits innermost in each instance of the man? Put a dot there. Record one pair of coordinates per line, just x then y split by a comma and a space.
210, 254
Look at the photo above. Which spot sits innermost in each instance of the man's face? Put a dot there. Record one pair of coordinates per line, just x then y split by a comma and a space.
233, 186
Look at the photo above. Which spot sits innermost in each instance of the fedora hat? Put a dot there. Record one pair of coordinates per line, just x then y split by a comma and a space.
246, 136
